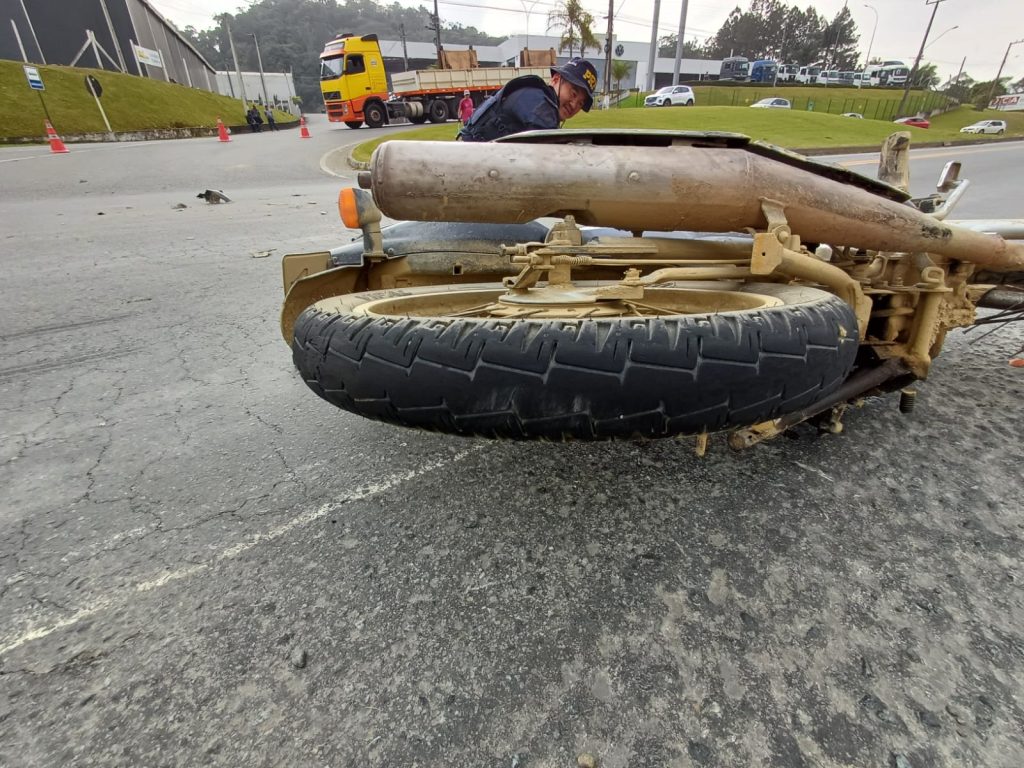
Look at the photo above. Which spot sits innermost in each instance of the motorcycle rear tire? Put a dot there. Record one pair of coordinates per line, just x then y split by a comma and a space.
582, 379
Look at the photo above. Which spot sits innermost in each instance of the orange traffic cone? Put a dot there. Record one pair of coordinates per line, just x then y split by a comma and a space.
303, 130
222, 132
56, 145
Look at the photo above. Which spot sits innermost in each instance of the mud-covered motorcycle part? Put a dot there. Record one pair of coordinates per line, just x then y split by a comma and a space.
409, 238
582, 379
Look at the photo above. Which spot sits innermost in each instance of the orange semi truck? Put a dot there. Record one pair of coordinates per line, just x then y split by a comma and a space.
355, 89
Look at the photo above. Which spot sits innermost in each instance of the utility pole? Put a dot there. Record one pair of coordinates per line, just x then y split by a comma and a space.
259, 61
234, 57
608, 55
405, 52
436, 22
871, 44
920, 53
780, 58
652, 56
679, 44
992, 90
832, 64
956, 80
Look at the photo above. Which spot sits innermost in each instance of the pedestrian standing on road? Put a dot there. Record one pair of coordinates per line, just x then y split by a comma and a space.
465, 107
249, 120
271, 123
527, 103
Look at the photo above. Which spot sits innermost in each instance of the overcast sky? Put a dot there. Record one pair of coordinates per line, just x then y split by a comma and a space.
984, 27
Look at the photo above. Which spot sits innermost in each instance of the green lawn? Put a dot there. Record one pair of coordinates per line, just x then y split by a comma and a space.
786, 127
874, 103
131, 103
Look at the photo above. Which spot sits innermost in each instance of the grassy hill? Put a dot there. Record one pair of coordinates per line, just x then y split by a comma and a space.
131, 103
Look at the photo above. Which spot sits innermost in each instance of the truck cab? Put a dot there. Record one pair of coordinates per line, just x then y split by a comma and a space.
352, 78
788, 73
810, 75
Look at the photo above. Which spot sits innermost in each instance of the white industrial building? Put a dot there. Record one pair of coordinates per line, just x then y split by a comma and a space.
423, 55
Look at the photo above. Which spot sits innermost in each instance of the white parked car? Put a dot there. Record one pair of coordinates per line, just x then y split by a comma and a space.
772, 103
671, 96
997, 127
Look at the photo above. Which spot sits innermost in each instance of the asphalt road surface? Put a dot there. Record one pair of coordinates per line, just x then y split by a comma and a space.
202, 563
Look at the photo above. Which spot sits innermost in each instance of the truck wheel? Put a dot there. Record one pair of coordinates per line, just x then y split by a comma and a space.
454, 359
374, 115
418, 120
354, 124
437, 111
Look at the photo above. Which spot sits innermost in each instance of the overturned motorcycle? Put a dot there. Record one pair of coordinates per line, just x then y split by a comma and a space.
687, 283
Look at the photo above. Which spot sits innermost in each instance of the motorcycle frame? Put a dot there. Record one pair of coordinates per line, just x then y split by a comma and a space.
905, 300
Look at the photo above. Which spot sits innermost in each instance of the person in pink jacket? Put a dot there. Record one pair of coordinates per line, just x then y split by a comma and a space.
465, 108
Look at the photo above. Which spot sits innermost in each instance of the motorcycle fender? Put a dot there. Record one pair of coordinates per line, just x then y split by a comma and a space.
295, 266
307, 290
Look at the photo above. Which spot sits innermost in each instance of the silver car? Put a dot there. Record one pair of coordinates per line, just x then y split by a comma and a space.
772, 103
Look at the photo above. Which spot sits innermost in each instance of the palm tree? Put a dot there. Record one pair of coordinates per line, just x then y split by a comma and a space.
575, 22
620, 71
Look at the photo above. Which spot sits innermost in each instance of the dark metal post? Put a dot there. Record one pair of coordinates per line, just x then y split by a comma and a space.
992, 90
920, 53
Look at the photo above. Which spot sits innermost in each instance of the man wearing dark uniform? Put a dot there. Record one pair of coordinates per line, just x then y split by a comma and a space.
527, 103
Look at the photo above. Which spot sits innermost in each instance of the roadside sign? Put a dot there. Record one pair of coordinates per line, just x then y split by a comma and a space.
148, 56
92, 85
35, 82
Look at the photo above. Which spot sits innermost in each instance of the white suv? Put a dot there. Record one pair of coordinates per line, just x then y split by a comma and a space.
671, 95
997, 127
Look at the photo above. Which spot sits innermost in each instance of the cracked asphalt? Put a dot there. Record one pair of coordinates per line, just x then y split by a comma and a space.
202, 563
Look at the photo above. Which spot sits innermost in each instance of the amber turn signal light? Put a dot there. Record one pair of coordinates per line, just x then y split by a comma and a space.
348, 208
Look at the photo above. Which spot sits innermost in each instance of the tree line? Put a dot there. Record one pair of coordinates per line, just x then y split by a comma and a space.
292, 34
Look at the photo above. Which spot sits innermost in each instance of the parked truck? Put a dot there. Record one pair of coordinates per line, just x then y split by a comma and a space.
355, 88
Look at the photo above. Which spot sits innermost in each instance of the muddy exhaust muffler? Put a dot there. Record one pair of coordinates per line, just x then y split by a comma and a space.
680, 187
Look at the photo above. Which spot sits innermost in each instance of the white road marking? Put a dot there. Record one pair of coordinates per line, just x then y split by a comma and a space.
924, 154
27, 635
24, 157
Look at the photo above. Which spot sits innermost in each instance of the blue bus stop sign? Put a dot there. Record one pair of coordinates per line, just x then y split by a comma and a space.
35, 82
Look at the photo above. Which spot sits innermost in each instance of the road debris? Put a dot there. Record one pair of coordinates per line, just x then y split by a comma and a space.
214, 196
